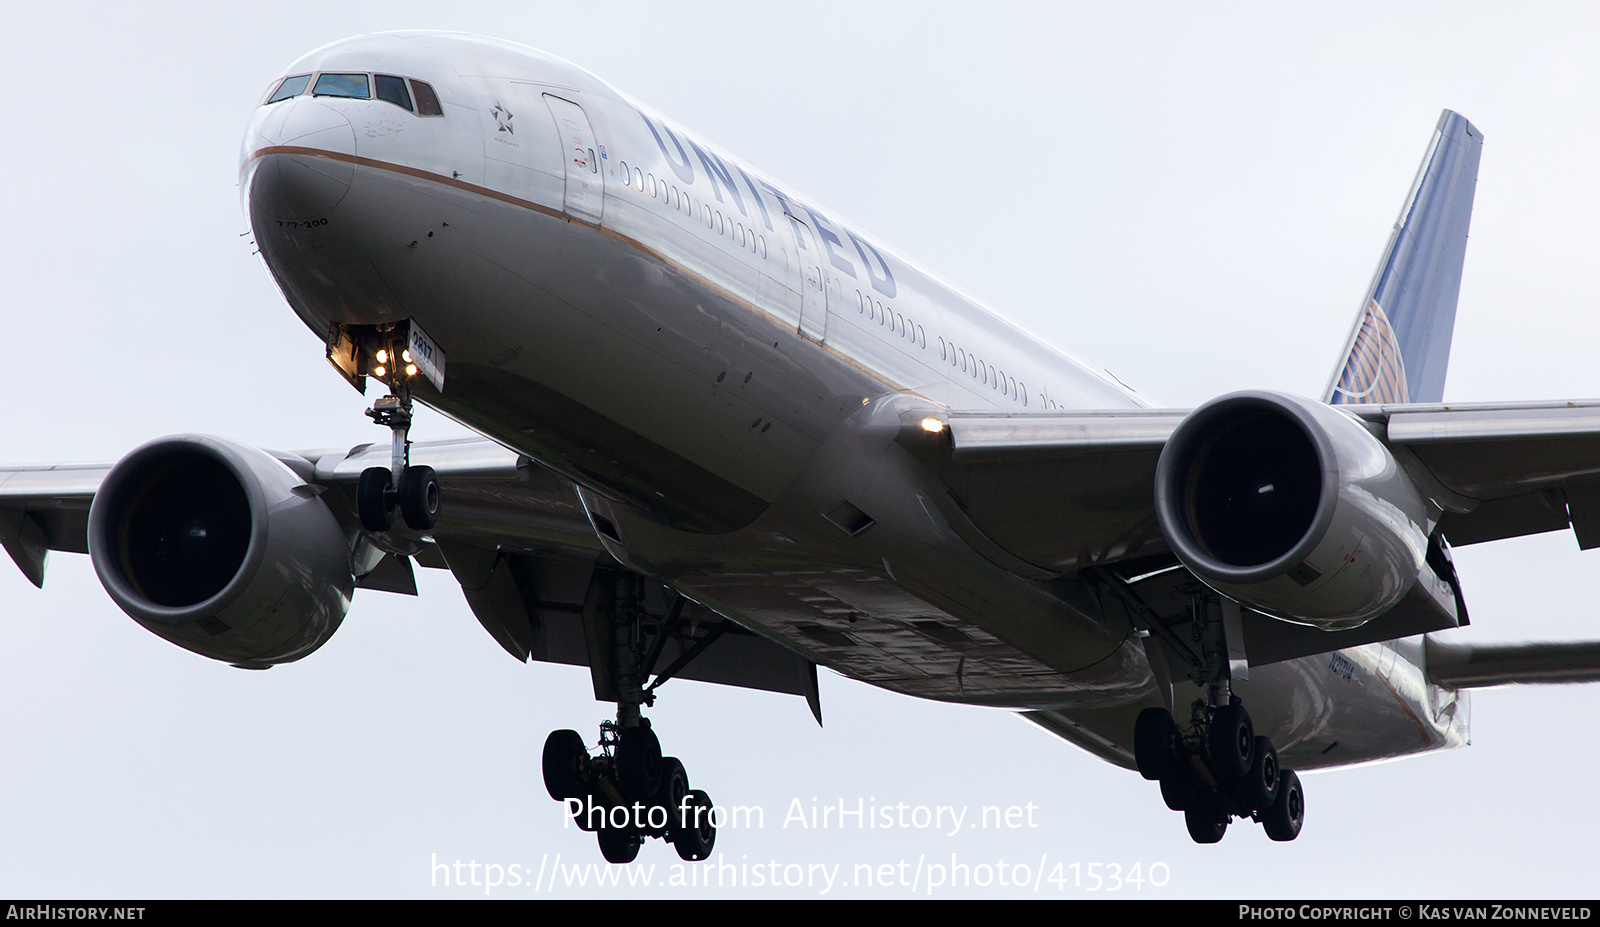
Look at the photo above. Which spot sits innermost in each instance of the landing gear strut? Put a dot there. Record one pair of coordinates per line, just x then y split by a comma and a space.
626, 790
413, 490
1216, 768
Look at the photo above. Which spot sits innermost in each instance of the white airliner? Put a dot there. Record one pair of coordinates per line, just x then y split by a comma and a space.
729, 437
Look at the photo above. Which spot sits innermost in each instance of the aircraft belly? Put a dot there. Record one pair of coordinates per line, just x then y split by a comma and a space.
1363, 705
862, 625
900, 600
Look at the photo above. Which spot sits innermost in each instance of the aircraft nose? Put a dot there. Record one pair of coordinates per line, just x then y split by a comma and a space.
304, 152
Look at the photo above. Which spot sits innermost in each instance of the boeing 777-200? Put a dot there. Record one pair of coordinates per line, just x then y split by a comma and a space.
726, 436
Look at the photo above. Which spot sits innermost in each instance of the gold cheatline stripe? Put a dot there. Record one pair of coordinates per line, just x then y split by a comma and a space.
609, 233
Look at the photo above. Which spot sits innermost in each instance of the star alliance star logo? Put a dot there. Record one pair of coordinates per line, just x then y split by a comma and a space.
502, 117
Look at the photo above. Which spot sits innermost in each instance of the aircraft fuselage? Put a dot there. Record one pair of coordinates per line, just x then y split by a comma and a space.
722, 368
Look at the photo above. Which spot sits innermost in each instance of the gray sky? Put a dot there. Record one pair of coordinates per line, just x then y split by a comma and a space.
1193, 196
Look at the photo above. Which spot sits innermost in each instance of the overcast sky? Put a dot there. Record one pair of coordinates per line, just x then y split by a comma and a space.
1193, 196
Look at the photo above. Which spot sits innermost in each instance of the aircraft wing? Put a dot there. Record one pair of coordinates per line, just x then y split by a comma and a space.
514, 535
1060, 491
1056, 493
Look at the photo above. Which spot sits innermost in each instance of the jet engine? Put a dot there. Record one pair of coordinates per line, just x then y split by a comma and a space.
1291, 507
221, 549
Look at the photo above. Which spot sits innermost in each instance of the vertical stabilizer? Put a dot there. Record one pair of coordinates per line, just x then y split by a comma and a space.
1399, 346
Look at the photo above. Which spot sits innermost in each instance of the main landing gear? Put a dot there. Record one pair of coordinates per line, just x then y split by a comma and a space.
1218, 769
1215, 768
627, 791
414, 491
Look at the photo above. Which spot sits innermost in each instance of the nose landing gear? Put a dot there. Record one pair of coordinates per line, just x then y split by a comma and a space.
412, 490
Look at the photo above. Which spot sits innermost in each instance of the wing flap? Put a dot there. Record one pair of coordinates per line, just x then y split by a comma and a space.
1525, 468
45, 508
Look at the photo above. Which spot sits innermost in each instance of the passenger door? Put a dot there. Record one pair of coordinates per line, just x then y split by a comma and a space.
585, 193
813, 293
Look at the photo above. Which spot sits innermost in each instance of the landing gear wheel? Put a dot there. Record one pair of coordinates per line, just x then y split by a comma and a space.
372, 500
1153, 737
698, 835
619, 844
1177, 792
1232, 742
638, 763
418, 495
672, 796
591, 814
1282, 821
1259, 787
564, 759
1206, 824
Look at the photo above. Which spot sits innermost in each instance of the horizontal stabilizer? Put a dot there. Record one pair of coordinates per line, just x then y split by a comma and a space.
1477, 666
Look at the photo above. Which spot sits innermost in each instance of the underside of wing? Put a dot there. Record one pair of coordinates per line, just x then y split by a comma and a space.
1059, 490
513, 534
1515, 469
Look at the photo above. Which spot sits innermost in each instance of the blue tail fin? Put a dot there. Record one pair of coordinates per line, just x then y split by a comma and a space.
1400, 344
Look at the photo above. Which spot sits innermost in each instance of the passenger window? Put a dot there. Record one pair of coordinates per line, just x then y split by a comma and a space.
427, 100
393, 90
353, 86
638, 179
291, 87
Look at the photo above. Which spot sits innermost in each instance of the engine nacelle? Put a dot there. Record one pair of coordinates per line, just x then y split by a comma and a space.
222, 550
1291, 507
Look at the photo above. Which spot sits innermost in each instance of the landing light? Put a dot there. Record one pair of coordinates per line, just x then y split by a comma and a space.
406, 356
411, 370
379, 371
932, 425
383, 357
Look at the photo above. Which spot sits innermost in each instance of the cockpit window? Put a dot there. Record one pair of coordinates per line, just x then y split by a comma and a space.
393, 90
427, 100
343, 85
291, 87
